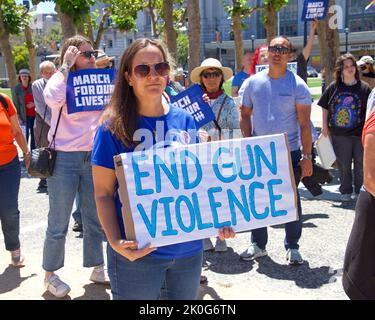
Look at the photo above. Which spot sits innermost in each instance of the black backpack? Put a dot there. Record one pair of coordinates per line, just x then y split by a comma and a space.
4, 102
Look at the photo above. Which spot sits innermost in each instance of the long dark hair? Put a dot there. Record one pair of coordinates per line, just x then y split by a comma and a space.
121, 113
73, 41
339, 67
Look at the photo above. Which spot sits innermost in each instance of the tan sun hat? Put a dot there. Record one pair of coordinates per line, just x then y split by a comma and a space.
364, 60
208, 64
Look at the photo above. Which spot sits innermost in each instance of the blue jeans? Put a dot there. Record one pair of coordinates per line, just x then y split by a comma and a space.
76, 214
10, 176
293, 230
144, 278
30, 131
72, 174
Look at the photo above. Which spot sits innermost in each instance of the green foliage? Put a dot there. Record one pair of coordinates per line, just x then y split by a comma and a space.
182, 50
21, 57
76, 9
276, 4
239, 7
14, 16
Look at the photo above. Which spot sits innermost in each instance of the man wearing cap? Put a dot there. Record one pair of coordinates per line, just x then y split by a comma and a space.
367, 72
24, 102
279, 102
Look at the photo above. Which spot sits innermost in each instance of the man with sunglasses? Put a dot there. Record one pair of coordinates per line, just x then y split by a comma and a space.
280, 102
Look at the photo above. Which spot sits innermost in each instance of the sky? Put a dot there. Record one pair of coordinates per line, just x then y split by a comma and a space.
46, 7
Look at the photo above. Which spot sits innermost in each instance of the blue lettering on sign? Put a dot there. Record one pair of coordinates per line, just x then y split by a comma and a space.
171, 174
186, 200
197, 210
239, 163
274, 198
242, 206
166, 201
215, 204
252, 187
140, 174
184, 155
215, 166
259, 154
150, 225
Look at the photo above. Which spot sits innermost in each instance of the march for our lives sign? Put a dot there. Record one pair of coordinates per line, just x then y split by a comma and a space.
314, 9
192, 101
187, 192
292, 66
89, 89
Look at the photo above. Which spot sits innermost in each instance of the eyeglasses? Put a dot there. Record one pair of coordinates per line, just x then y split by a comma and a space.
209, 75
278, 49
89, 54
143, 70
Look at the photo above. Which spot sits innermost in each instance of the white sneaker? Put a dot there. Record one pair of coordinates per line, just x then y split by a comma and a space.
253, 252
56, 286
220, 245
345, 197
99, 275
207, 245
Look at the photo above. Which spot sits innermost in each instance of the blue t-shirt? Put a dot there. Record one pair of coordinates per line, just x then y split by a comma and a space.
274, 104
177, 122
239, 78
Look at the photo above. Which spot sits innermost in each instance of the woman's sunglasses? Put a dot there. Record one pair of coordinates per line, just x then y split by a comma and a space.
143, 70
209, 75
89, 54
278, 49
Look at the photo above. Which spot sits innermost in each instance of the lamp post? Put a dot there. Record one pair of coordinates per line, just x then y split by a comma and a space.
252, 42
346, 39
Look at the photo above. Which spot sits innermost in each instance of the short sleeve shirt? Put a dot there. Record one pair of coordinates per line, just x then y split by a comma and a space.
8, 150
274, 104
177, 123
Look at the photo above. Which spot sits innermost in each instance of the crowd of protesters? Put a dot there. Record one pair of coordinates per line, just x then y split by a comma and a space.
271, 101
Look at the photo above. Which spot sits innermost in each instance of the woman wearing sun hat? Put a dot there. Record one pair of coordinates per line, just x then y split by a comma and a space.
210, 75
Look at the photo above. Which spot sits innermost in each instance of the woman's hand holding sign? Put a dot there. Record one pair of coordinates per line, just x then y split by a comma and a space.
127, 249
226, 233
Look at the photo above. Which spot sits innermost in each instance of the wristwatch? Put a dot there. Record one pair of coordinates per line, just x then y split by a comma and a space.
307, 156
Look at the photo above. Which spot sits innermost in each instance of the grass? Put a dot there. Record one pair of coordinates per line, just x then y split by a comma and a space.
314, 82
6, 91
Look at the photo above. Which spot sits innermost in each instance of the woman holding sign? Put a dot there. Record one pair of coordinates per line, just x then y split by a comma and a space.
137, 105
210, 75
72, 173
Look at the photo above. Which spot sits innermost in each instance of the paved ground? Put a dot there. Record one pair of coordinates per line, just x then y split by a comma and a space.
326, 228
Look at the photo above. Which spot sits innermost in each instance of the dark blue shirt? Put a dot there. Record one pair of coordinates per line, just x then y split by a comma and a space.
106, 146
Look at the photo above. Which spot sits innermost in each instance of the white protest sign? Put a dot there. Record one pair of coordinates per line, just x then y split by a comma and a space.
188, 192
292, 66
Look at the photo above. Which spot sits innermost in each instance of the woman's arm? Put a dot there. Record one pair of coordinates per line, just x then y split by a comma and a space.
20, 139
104, 185
369, 163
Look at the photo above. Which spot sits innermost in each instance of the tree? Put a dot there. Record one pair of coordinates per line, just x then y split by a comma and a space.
328, 53
170, 33
21, 57
11, 23
239, 11
182, 50
194, 33
271, 7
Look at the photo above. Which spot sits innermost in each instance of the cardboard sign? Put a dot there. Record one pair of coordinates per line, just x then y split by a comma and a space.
314, 9
89, 89
185, 193
191, 100
292, 66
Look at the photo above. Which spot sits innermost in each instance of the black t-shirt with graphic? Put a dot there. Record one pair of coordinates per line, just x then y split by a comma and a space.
346, 107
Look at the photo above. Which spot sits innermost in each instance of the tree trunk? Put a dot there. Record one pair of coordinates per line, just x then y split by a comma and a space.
151, 6
169, 31
328, 53
7, 53
101, 29
32, 52
271, 22
237, 30
194, 33
67, 25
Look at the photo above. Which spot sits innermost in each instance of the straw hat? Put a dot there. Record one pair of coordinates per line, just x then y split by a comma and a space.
365, 59
208, 64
